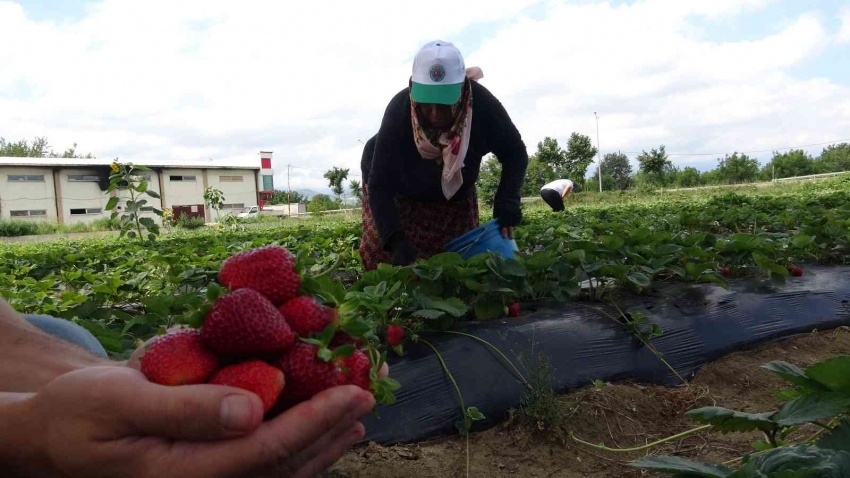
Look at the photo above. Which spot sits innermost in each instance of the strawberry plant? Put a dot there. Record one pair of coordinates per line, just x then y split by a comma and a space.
821, 396
125, 177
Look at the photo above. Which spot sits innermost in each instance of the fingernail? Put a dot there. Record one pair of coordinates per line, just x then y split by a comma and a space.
237, 413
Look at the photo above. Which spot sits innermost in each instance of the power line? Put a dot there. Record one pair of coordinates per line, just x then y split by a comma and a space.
749, 152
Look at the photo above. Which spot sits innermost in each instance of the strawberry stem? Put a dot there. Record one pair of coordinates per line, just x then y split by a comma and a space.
330, 269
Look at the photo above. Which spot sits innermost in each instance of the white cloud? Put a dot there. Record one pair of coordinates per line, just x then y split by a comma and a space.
844, 33
199, 79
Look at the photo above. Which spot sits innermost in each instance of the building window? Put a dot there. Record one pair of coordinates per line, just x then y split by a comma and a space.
183, 178
231, 179
240, 205
29, 213
83, 178
84, 211
34, 178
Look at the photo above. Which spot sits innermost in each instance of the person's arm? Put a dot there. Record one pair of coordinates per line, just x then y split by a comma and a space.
506, 143
383, 185
30, 358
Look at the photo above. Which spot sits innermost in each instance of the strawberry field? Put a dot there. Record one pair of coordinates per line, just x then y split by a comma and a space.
126, 291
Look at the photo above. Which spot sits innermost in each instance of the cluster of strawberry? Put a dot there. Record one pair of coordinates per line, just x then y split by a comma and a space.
260, 335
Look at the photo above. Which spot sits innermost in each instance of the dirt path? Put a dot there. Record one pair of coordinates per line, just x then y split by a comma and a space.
618, 415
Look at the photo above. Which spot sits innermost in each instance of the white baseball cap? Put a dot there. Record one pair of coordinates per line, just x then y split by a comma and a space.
438, 74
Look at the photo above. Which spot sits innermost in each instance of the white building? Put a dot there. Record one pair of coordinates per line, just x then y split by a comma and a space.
70, 190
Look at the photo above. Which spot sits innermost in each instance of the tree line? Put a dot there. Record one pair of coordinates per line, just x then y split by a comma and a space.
655, 169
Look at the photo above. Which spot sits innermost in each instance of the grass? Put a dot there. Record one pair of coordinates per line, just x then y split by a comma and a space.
17, 227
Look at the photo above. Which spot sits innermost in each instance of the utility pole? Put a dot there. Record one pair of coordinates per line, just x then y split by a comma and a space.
288, 188
598, 153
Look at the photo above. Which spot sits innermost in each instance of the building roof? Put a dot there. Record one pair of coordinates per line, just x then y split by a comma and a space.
241, 162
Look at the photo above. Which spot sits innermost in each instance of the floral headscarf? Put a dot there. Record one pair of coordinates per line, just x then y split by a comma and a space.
448, 146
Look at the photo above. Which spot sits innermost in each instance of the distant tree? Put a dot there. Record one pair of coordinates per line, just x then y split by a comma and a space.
787, 165
737, 169
322, 202
654, 165
279, 197
579, 155
335, 178
488, 179
537, 174
834, 158
617, 166
214, 198
38, 148
356, 190
688, 177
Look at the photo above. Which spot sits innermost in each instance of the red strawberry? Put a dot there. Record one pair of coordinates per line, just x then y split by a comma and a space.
178, 358
306, 316
245, 323
359, 366
341, 338
307, 374
255, 376
513, 310
726, 272
395, 334
270, 270
797, 271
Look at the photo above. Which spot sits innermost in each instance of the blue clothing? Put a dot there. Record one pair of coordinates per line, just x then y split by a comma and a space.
67, 331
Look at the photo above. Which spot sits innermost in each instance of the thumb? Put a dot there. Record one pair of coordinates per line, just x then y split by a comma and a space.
193, 412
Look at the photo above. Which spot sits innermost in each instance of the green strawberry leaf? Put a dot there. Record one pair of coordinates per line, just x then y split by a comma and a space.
838, 438
356, 326
795, 375
810, 408
832, 373
682, 467
474, 414
325, 354
726, 420
344, 351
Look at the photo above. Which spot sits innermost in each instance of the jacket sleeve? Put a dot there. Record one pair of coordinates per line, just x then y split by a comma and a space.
366, 159
383, 176
504, 140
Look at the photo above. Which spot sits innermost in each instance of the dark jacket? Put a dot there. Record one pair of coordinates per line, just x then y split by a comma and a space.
391, 164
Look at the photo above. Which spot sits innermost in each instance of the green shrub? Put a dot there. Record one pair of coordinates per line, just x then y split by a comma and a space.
15, 228
187, 222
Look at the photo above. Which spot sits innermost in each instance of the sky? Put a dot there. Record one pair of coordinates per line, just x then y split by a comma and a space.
200, 79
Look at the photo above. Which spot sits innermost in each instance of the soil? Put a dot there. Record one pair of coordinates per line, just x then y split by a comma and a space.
619, 415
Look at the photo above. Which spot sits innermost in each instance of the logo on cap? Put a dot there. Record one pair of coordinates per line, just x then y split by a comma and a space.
437, 73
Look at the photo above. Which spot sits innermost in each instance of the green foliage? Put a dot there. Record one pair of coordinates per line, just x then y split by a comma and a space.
654, 165
688, 177
617, 167
280, 197
737, 169
323, 202
214, 198
834, 158
38, 148
335, 177
789, 164
356, 190
579, 155
188, 222
18, 228
823, 394
537, 174
132, 222
489, 178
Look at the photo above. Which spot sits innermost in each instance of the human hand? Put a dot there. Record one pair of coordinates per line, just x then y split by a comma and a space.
403, 252
110, 421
